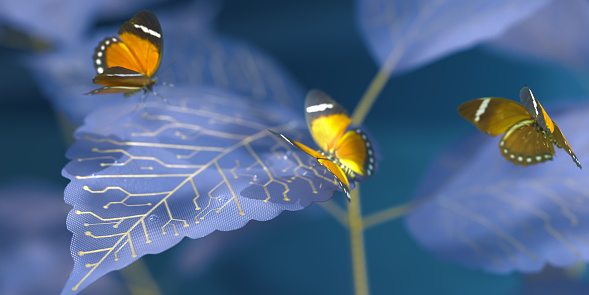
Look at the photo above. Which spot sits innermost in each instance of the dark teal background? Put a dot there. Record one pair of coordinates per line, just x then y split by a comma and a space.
412, 122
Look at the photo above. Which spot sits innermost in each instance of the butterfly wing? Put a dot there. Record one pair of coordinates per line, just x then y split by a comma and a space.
139, 49
534, 107
525, 144
493, 115
563, 143
327, 120
118, 76
121, 80
354, 150
332, 167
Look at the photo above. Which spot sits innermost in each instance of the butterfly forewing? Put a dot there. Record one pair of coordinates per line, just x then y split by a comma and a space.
339, 174
534, 107
332, 167
354, 151
563, 143
143, 36
327, 120
493, 115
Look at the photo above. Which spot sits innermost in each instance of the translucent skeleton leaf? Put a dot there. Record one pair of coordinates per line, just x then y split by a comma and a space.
145, 176
478, 209
410, 34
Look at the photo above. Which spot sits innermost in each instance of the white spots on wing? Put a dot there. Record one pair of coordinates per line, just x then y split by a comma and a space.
505, 151
319, 107
520, 158
107, 42
512, 156
148, 30
481, 109
102, 47
114, 40
538, 158
529, 159
98, 61
100, 70
99, 53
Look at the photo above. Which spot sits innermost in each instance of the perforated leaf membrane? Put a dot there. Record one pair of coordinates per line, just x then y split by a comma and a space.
479, 210
145, 176
422, 31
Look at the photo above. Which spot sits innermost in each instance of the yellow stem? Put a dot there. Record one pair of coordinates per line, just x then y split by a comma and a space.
138, 279
387, 215
357, 243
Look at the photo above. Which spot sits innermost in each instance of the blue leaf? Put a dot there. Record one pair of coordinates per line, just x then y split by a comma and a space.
59, 22
541, 36
193, 55
418, 32
144, 177
477, 209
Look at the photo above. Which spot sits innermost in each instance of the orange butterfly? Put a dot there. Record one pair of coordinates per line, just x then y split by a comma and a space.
344, 153
530, 134
128, 65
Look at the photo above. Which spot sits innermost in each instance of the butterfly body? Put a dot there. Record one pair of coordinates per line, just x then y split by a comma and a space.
529, 133
127, 65
345, 153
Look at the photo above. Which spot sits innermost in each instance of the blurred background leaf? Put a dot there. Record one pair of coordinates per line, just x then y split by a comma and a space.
537, 38
479, 210
419, 32
35, 243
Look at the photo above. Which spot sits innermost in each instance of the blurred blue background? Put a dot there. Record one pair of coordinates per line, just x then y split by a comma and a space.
412, 122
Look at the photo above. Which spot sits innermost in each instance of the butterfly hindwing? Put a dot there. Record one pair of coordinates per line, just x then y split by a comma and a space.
525, 144
493, 115
118, 76
354, 150
326, 119
128, 91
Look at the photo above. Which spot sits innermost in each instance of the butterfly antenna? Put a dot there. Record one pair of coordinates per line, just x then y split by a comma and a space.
167, 67
162, 97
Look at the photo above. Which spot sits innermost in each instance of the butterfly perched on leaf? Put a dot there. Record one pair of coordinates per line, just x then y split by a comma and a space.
345, 153
127, 65
530, 134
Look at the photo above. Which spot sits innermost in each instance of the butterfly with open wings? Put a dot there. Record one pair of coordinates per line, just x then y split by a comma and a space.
345, 153
127, 65
530, 134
